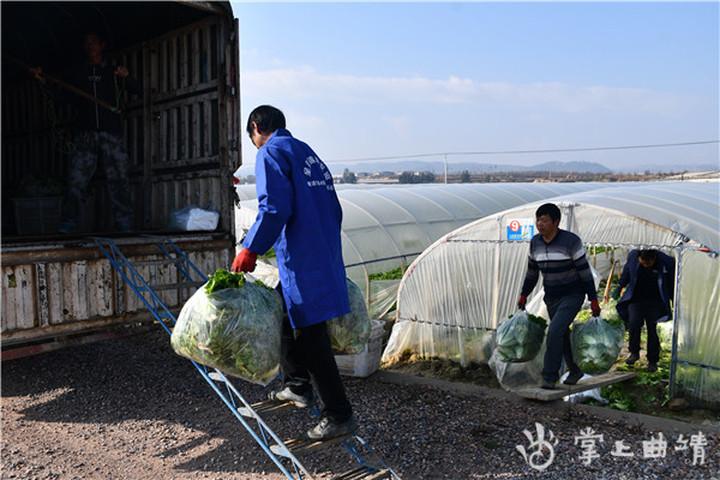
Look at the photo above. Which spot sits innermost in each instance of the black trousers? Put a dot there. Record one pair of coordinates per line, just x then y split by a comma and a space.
645, 313
307, 358
562, 312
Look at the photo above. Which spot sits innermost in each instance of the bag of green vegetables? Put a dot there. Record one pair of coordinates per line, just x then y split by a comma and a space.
350, 333
596, 342
233, 325
520, 337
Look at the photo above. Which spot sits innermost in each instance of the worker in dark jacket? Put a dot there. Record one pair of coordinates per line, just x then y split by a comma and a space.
567, 279
300, 216
649, 276
98, 133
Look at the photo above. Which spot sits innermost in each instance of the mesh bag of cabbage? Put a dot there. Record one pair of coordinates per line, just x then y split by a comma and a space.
350, 333
596, 342
520, 337
234, 326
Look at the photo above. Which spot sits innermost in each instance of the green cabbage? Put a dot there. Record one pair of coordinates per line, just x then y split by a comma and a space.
596, 342
520, 337
232, 325
350, 333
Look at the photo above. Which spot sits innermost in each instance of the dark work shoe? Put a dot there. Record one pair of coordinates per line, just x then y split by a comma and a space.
573, 378
329, 428
632, 359
548, 385
287, 395
652, 367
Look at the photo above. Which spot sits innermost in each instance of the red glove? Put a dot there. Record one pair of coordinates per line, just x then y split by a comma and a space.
521, 302
244, 261
595, 307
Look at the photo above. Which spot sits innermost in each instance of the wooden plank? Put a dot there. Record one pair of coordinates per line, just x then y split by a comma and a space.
176, 56
26, 313
148, 56
71, 328
181, 61
80, 285
203, 55
207, 126
55, 293
42, 294
304, 446
363, 473
537, 393
9, 300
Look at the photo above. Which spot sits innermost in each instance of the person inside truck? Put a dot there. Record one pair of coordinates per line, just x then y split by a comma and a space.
300, 216
97, 133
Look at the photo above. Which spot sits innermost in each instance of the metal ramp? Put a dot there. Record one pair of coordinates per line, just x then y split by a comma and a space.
283, 453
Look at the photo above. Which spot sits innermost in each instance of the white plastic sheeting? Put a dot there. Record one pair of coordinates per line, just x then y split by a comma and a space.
698, 328
470, 279
387, 227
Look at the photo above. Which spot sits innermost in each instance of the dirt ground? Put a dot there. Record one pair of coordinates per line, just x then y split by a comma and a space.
131, 409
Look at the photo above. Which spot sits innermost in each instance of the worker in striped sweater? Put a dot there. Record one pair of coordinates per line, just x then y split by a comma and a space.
567, 279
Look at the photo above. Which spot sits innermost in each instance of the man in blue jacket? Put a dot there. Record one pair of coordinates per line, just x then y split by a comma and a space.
300, 216
649, 277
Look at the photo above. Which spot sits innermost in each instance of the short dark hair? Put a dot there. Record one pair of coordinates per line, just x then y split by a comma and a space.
267, 118
648, 254
549, 209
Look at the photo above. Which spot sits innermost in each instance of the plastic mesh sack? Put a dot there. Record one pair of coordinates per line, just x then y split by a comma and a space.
520, 337
236, 330
596, 342
350, 333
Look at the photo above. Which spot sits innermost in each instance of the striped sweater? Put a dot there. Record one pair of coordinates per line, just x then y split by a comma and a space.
563, 264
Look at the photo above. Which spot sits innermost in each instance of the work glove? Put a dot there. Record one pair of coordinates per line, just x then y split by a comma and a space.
615, 294
521, 302
595, 307
244, 261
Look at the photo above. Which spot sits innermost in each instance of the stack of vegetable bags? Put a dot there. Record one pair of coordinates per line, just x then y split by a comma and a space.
520, 337
232, 325
349, 334
596, 342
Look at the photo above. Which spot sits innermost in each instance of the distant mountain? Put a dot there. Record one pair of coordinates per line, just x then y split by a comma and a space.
472, 167
577, 167
658, 168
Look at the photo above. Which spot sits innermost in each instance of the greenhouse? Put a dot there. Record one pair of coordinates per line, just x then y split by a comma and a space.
385, 228
454, 295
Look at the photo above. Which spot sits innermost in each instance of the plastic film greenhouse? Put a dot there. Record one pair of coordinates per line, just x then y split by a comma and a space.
385, 228
453, 297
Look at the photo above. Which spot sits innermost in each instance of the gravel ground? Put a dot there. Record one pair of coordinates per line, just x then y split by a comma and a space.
131, 409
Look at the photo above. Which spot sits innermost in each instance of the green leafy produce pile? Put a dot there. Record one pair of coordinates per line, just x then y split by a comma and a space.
350, 333
596, 342
223, 279
609, 314
395, 274
234, 326
520, 337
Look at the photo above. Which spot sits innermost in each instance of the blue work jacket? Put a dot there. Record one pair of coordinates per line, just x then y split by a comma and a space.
300, 215
665, 265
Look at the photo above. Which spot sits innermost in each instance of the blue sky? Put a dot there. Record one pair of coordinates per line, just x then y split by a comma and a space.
375, 79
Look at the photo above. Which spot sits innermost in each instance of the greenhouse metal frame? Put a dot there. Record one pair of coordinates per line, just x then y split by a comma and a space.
449, 291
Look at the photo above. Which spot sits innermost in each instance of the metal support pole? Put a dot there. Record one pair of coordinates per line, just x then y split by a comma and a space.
676, 313
445, 162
